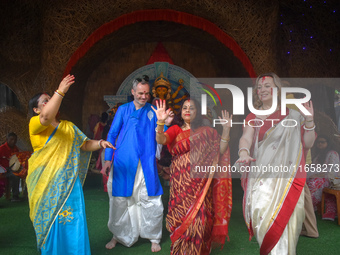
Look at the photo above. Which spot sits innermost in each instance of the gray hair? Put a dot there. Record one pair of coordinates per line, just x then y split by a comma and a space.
144, 80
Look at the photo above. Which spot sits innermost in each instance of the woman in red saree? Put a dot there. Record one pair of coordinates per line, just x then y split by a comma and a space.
200, 202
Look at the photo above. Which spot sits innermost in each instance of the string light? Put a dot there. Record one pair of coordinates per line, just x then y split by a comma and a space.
299, 23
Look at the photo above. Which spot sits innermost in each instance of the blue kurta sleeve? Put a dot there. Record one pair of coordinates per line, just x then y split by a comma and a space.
114, 132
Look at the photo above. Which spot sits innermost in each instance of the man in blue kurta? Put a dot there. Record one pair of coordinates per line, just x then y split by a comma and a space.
134, 188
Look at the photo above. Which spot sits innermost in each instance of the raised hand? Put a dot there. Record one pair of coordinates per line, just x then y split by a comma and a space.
170, 118
227, 117
309, 107
161, 112
66, 83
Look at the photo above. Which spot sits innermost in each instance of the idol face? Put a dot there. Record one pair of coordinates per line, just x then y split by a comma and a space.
161, 92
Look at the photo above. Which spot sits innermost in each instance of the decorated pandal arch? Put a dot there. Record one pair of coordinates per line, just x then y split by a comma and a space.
177, 76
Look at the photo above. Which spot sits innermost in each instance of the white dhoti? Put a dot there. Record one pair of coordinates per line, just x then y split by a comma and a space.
138, 215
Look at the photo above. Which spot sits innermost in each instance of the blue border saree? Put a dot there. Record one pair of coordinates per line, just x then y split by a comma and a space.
55, 176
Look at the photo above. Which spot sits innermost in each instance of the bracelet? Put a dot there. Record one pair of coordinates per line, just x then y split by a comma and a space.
309, 120
61, 93
160, 123
308, 129
56, 92
159, 132
100, 143
245, 149
225, 140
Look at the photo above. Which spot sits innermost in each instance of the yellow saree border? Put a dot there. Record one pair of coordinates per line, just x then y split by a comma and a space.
289, 184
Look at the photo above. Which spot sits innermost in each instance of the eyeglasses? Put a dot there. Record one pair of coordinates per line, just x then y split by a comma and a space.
144, 79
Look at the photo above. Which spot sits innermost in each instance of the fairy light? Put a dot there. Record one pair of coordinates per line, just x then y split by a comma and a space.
298, 22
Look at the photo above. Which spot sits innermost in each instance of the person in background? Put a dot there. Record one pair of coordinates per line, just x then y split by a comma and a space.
6, 151
326, 158
337, 108
56, 173
98, 134
98, 129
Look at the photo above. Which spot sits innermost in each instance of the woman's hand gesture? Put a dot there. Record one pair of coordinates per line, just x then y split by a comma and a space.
309, 107
225, 116
105, 144
245, 159
170, 118
161, 112
66, 83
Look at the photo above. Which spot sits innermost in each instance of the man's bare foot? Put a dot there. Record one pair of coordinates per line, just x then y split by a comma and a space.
155, 247
110, 245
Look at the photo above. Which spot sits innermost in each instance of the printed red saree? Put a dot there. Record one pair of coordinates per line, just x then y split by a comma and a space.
199, 208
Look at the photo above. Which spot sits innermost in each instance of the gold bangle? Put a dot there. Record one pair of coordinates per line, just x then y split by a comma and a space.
55, 92
309, 120
225, 140
61, 93
309, 128
160, 123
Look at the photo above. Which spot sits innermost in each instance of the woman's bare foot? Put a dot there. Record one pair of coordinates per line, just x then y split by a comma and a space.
155, 247
110, 245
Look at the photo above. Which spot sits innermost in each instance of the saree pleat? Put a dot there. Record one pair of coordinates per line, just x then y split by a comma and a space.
273, 201
52, 174
68, 234
199, 208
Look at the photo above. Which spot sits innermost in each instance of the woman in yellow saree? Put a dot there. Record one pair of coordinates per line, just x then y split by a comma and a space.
199, 205
56, 172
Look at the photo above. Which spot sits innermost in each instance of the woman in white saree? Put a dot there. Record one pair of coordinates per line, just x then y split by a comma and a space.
275, 145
